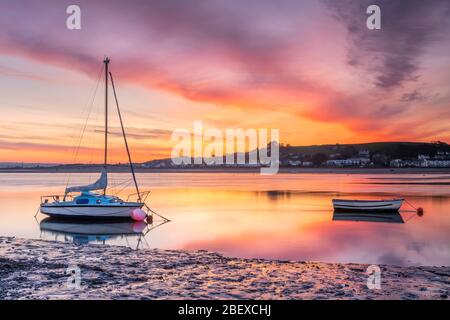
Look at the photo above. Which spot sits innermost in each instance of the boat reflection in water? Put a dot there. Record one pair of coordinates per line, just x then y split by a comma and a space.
129, 233
388, 217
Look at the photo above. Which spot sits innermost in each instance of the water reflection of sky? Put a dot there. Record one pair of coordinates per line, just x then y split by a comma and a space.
281, 217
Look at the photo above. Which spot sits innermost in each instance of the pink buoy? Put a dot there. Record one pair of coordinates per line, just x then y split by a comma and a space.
138, 215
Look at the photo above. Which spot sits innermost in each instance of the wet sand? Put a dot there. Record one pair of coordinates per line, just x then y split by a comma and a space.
35, 269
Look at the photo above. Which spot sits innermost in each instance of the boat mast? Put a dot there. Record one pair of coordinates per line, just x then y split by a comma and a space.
125, 139
106, 62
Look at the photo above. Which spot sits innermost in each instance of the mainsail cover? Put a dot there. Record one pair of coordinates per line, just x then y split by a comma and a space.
101, 183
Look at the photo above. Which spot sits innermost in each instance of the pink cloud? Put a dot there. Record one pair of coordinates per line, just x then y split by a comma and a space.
257, 54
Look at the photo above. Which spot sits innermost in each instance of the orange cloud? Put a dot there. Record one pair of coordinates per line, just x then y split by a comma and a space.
317, 76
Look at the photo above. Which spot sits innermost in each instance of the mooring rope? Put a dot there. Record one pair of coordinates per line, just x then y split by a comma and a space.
410, 204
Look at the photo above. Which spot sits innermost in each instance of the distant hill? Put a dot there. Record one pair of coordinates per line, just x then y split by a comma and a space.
392, 149
380, 153
317, 154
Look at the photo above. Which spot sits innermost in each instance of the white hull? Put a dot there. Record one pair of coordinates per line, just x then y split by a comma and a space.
367, 205
89, 211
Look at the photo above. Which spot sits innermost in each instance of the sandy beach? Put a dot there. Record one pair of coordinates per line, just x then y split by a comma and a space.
36, 269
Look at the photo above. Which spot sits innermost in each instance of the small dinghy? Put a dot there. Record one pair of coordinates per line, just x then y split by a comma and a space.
392, 205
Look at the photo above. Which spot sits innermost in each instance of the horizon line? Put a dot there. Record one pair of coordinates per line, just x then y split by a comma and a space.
282, 145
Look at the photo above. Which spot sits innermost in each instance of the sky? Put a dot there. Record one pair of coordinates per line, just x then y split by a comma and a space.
309, 68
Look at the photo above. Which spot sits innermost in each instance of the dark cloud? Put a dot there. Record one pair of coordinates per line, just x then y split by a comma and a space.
250, 54
388, 111
416, 96
232, 28
408, 27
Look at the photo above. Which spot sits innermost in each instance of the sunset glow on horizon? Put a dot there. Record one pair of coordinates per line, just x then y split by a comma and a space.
309, 68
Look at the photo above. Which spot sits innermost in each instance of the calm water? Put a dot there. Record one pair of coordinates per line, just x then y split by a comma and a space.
287, 216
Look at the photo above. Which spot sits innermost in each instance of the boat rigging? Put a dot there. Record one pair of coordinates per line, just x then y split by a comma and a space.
90, 203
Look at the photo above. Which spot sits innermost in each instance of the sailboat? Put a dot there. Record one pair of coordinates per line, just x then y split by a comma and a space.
92, 200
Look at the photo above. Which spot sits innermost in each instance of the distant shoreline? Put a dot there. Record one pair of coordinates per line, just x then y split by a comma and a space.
236, 170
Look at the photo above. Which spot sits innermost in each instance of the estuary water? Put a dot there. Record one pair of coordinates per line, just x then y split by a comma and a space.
286, 216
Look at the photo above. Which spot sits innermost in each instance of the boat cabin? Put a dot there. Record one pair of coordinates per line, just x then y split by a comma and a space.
92, 198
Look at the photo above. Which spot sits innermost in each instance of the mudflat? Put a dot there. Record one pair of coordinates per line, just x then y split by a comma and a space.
36, 269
